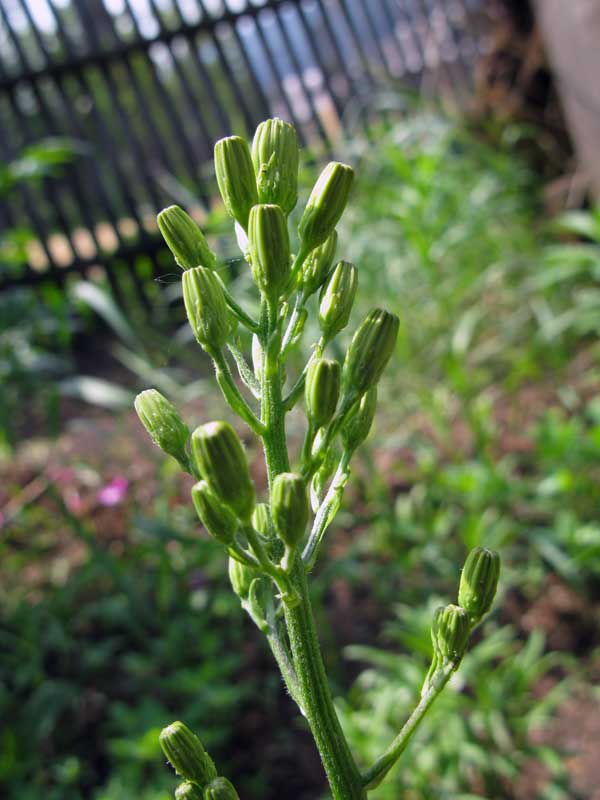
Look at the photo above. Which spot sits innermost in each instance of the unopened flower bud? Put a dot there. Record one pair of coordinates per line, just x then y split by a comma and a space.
236, 178
337, 299
188, 791
450, 633
370, 350
325, 204
260, 519
322, 390
218, 519
356, 428
241, 577
219, 457
220, 789
275, 158
185, 239
186, 754
478, 582
289, 507
206, 308
318, 264
162, 421
269, 249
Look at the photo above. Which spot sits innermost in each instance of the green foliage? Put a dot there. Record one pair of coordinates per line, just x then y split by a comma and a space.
37, 161
491, 298
35, 337
477, 739
94, 667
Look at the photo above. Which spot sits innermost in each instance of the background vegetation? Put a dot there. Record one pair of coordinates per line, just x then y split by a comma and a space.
116, 616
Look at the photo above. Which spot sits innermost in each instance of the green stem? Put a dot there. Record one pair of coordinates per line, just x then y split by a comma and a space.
297, 263
348, 405
327, 510
237, 310
343, 775
272, 413
290, 333
279, 648
246, 374
276, 573
307, 445
232, 394
313, 688
373, 776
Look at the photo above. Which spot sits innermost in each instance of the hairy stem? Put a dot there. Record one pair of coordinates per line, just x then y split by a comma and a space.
232, 394
246, 374
312, 685
343, 775
373, 776
237, 310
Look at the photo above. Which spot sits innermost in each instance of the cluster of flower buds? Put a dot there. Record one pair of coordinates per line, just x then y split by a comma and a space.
452, 624
270, 545
191, 762
259, 187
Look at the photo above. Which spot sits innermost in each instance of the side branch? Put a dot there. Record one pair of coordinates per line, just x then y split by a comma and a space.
373, 776
327, 511
233, 395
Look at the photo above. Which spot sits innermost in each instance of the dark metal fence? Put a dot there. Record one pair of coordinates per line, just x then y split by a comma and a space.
142, 89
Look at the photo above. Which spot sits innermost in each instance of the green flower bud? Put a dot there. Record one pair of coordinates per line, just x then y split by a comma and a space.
219, 457
318, 264
236, 178
289, 507
275, 158
218, 519
206, 308
450, 633
186, 754
185, 239
337, 299
322, 475
241, 577
220, 789
188, 791
370, 350
322, 390
162, 421
260, 520
478, 582
356, 428
269, 249
325, 205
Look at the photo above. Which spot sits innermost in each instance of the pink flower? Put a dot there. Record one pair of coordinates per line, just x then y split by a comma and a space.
114, 492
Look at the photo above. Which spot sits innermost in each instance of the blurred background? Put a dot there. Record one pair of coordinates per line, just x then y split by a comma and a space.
474, 126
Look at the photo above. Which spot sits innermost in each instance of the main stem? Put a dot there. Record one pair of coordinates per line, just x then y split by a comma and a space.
315, 697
